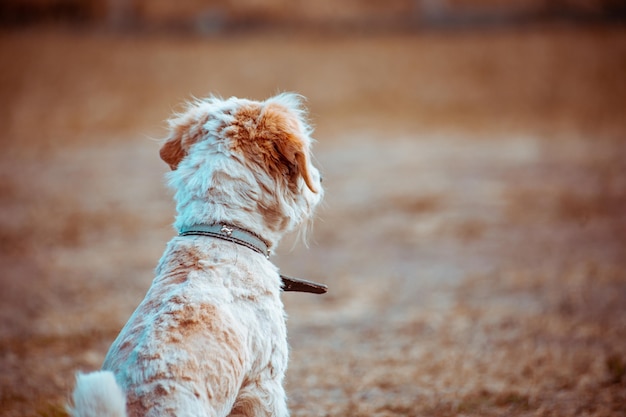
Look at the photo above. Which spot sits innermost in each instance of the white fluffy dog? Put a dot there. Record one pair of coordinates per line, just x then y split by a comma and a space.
209, 339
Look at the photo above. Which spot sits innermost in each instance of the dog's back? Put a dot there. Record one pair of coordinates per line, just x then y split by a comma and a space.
200, 337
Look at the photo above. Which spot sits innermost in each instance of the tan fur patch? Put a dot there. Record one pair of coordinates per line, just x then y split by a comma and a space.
180, 260
172, 152
273, 216
184, 132
270, 137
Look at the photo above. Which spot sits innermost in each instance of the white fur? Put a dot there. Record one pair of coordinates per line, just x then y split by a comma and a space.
97, 394
209, 338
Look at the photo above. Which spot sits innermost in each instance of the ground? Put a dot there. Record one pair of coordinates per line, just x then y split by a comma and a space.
473, 235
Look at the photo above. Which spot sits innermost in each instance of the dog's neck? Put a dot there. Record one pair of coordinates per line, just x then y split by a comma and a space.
256, 243
269, 241
210, 214
214, 187
230, 233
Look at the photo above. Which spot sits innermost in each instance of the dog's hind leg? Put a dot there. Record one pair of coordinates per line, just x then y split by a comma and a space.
261, 398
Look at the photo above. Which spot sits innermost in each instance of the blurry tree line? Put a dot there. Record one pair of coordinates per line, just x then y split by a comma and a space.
221, 15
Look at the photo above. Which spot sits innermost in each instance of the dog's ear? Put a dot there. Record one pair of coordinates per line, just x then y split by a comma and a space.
289, 146
185, 130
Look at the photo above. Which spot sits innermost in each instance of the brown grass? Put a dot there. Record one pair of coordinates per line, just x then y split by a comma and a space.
473, 236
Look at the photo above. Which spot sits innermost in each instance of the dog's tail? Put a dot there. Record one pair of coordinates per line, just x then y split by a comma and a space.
97, 395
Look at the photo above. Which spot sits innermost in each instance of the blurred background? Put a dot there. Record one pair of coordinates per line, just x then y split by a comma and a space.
473, 234
214, 16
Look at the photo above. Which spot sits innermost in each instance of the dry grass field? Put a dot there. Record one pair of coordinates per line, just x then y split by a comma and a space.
473, 235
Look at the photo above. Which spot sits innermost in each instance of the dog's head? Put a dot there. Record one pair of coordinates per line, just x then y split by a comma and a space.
233, 160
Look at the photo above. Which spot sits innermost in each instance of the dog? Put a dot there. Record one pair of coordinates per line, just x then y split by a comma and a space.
209, 338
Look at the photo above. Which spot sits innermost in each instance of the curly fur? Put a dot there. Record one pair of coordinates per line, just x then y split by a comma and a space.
209, 339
